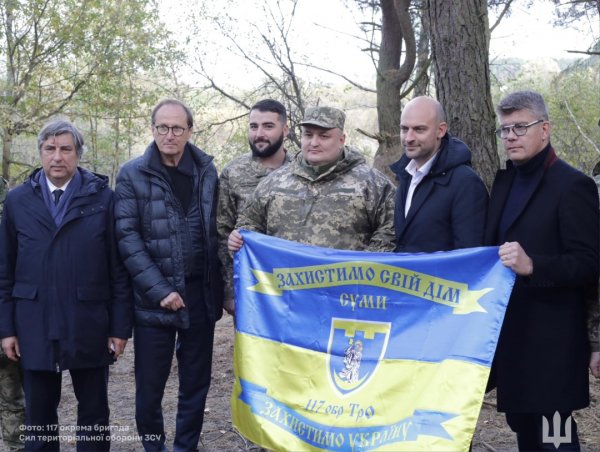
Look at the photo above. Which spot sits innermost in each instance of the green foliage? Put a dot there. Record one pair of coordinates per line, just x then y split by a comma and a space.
86, 59
575, 113
571, 96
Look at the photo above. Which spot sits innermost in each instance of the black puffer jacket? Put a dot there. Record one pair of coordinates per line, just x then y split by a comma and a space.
156, 237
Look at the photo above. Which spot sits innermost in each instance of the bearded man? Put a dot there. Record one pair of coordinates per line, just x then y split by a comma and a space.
267, 129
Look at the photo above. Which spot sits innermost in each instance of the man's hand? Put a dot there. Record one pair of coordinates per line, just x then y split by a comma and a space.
10, 345
116, 346
173, 302
513, 256
595, 364
235, 241
229, 306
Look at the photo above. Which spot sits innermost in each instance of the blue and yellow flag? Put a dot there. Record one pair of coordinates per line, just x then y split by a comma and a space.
354, 351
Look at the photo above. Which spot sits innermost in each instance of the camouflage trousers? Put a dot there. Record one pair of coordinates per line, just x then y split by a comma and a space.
12, 404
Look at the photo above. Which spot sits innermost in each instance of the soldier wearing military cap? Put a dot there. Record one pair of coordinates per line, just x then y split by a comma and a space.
324, 117
327, 196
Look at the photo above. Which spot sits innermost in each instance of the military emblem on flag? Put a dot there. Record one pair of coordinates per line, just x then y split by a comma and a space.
354, 351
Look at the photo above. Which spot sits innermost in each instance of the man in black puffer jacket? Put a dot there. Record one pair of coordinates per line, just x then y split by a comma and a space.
166, 226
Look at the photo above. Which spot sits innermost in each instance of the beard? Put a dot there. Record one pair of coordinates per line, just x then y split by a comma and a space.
270, 150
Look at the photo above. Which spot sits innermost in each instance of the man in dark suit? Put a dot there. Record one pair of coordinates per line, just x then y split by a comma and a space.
65, 297
441, 203
544, 215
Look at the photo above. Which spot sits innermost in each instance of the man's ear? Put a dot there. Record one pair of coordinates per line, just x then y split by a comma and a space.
442, 129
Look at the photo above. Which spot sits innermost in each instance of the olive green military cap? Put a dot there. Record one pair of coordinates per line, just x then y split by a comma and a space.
326, 117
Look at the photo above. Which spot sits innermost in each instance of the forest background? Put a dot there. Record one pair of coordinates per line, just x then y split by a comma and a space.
104, 64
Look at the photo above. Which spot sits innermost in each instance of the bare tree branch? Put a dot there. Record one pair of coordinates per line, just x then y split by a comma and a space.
220, 90
581, 132
337, 74
504, 11
416, 80
220, 123
585, 52
373, 136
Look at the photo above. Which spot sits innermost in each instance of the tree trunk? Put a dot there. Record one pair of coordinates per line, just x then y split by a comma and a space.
396, 28
460, 41
9, 90
423, 59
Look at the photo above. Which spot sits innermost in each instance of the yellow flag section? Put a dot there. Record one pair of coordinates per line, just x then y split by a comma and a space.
437, 290
300, 411
334, 352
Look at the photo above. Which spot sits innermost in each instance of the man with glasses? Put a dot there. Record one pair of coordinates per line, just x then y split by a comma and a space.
544, 215
165, 212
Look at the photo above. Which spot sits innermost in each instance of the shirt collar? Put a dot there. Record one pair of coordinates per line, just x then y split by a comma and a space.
53, 187
411, 168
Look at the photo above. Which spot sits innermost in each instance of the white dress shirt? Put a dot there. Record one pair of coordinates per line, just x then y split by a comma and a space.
417, 177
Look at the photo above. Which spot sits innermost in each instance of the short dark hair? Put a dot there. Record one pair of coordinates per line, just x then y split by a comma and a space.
523, 100
273, 106
60, 127
162, 103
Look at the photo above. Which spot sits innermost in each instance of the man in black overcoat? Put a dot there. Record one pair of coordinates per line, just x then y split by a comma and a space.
544, 215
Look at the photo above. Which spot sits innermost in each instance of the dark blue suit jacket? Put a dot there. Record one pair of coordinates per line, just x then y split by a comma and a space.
449, 205
63, 289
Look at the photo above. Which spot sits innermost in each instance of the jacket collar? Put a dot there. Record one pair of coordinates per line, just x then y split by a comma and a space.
503, 183
352, 157
151, 158
453, 152
90, 182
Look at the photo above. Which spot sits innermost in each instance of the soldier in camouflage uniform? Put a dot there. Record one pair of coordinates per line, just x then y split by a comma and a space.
12, 403
266, 132
12, 406
327, 196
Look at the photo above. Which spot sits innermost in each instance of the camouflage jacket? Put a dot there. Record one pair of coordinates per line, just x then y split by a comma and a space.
238, 180
349, 206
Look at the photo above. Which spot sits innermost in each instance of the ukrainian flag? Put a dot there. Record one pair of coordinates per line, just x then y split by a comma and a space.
355, 351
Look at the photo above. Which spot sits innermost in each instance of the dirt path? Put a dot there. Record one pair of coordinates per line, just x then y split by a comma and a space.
218, 435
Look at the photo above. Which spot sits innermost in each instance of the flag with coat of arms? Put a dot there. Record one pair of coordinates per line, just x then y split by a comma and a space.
355, 351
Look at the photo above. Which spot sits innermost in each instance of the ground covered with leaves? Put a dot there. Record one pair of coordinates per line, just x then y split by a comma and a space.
492, 433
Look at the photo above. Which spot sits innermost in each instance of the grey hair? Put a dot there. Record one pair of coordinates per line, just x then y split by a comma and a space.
60, 127
188, 112
523, 100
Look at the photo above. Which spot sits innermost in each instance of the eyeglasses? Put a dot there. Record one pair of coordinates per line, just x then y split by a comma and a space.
164, 130
518, 129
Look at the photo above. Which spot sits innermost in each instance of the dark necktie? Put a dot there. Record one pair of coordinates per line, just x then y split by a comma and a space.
57, 194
